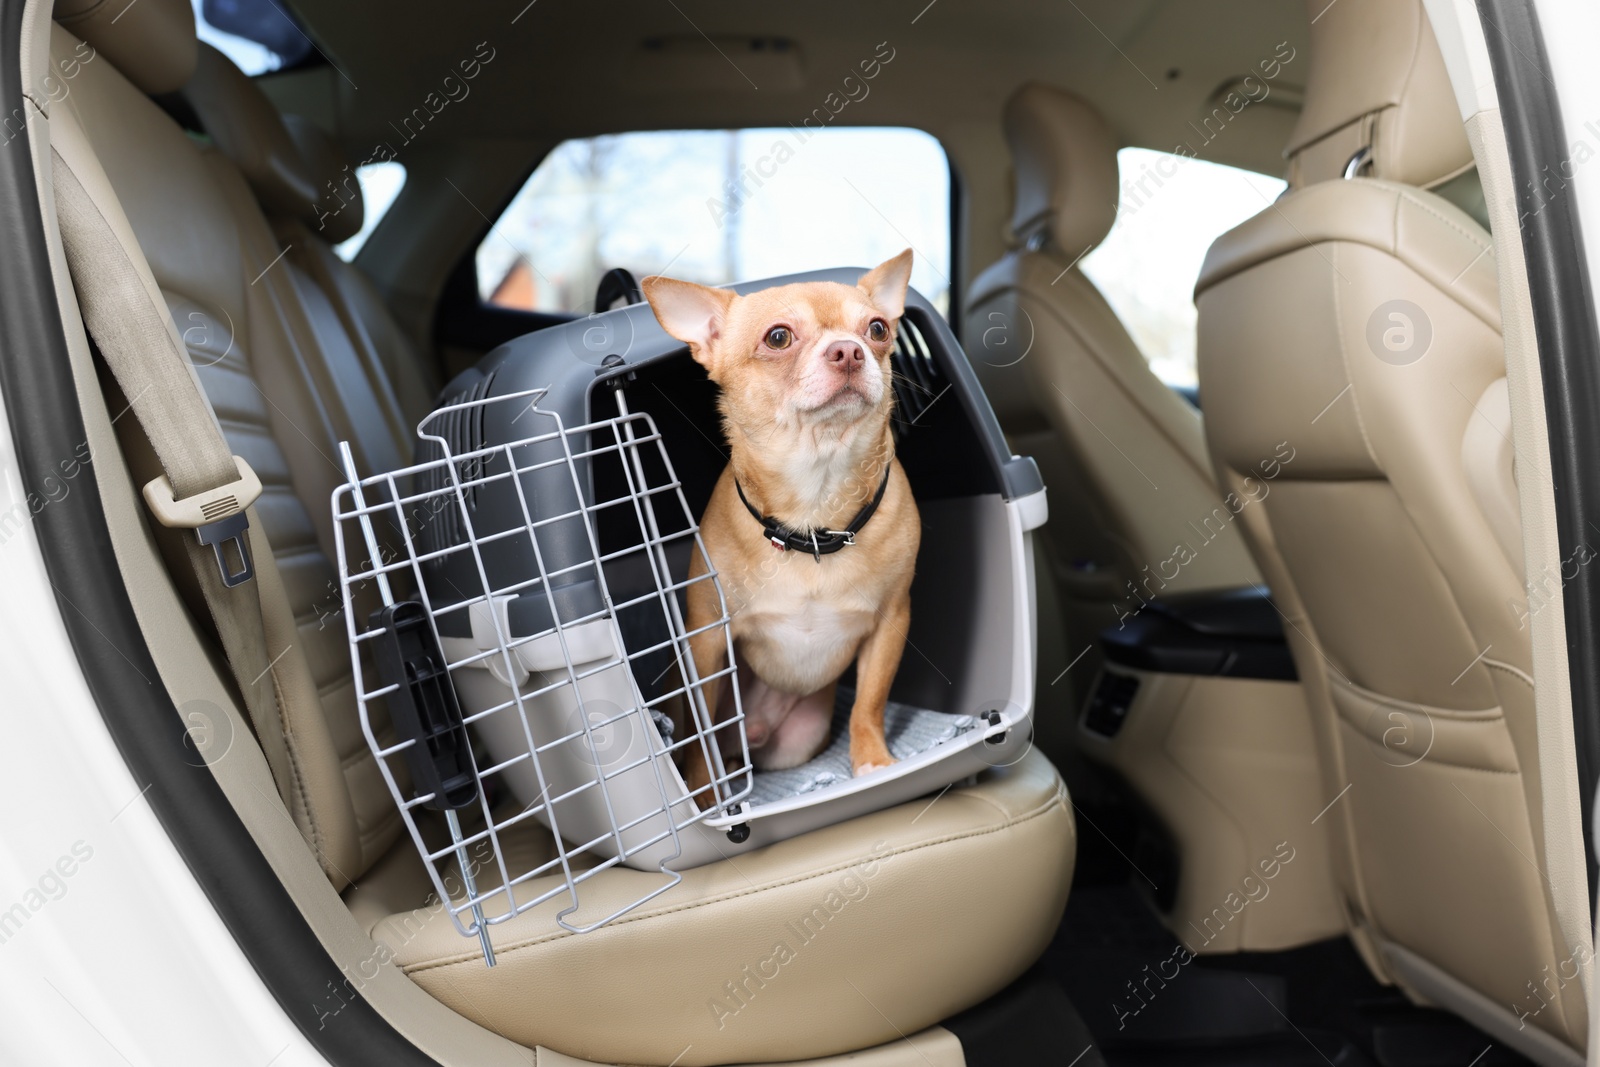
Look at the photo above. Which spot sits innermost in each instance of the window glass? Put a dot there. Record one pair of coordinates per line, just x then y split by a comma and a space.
380, 185
258, 35
1169, 211
717, 206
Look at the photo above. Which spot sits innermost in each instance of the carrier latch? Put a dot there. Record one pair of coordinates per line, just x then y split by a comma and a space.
217, 516
423, 705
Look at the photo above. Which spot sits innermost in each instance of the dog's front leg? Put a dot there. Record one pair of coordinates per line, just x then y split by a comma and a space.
709, 651
876, 665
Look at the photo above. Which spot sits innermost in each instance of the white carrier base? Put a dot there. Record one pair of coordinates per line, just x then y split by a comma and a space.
993, 715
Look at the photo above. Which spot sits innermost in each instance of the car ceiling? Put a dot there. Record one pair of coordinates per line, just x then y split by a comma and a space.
1151, 66
1154, 68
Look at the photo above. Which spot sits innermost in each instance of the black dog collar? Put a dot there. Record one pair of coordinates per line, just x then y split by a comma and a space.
817, 542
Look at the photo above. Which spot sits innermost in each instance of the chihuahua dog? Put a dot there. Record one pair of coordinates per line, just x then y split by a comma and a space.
811, 526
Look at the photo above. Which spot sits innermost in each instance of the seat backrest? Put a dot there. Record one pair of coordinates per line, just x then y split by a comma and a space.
250, 132
1124, 456
1356, 324
284, 389
334, 216
312, 197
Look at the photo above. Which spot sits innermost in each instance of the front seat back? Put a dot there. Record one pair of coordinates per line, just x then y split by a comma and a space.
1123, 455
1355, 326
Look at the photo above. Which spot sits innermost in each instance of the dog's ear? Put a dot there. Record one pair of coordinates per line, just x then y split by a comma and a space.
885, 284
694, 314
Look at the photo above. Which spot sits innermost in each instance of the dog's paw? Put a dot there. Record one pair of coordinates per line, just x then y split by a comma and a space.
868, 766
868, 752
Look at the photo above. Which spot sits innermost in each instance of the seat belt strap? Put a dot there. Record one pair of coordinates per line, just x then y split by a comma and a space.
204, 487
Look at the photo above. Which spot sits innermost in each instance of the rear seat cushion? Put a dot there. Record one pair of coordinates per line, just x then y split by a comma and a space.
840, 939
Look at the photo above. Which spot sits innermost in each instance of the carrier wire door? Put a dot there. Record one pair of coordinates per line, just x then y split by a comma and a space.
501, 619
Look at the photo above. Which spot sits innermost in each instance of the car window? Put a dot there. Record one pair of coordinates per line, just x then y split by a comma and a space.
380, 185
1170, 209
717, 206
260, 36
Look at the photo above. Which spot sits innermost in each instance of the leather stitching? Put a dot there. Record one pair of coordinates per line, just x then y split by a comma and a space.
1435, 760
297, 781
1467, 715
1516, 672
1436, 213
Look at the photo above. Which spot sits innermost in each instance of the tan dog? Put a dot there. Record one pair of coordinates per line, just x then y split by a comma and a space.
811, 585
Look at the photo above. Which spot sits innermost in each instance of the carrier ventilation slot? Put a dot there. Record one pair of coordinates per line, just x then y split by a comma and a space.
917, 381
462, 428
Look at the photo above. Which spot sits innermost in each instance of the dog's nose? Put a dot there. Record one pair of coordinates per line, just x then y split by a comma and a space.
843, 354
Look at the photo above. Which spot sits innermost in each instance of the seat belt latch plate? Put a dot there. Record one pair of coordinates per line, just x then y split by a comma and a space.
217, 516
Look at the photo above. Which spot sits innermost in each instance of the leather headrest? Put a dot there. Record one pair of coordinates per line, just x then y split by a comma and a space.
248, 129
337, 213
1377, 81
1065, 159
151, 42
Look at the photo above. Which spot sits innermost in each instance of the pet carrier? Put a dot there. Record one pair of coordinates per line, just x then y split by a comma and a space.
515, 609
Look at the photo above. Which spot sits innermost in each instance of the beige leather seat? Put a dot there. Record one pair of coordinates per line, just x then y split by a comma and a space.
1358, 321
1123, 455
287, 383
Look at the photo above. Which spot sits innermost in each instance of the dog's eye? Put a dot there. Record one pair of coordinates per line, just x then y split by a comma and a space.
878, 330
778, 338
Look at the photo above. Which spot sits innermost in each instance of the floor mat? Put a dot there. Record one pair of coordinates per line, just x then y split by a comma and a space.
1148, 1003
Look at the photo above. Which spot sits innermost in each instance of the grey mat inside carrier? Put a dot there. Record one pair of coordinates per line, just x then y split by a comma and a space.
910, 732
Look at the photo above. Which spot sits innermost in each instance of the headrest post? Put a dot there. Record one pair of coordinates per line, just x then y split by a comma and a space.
1377, 83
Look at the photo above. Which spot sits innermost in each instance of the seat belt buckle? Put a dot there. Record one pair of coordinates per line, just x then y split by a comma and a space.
217, 516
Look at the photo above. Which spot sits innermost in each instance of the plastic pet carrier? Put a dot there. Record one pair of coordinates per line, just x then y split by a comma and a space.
515, 608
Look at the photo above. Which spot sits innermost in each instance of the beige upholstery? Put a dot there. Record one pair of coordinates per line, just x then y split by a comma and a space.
248, 129
311, 230
1230, 768
192, 217
312, 198
886, 923
152, 44
1377, 83
1123, 455
337, 212
358, 378
287, 383
1064, 161
1394, 560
